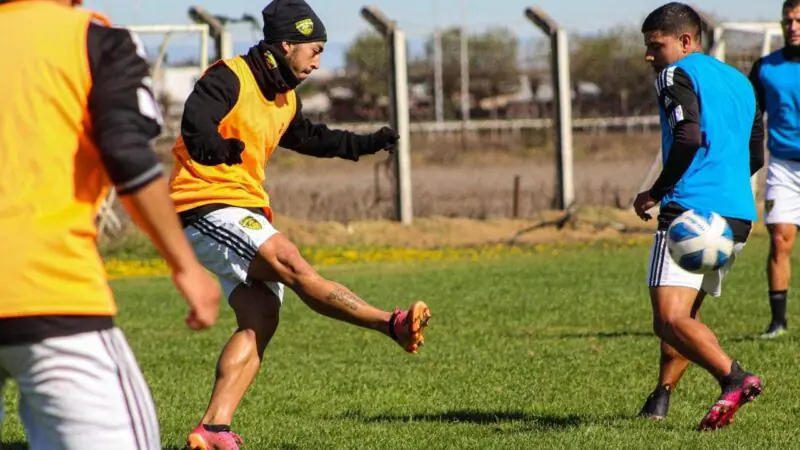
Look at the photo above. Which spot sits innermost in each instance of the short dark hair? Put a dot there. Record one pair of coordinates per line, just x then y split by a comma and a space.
790, 4
675, 18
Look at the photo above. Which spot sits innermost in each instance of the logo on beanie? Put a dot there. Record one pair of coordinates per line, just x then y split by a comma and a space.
305, 26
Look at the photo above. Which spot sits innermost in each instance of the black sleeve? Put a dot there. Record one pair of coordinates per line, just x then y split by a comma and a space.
123, 113
755, 79
213, 97
311, 139
757, 143
757, 134
679, 100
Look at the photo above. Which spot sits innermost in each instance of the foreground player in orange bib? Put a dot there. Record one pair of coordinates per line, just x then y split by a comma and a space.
240, 110
77, 114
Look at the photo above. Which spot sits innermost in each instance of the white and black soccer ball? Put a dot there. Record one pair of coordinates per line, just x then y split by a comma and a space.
700, 242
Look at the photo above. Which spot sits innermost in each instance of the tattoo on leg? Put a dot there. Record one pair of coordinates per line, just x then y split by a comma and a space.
346, 298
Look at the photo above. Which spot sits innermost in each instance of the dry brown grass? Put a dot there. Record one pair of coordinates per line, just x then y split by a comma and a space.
458, 177
582, 225
462, 197
585, 224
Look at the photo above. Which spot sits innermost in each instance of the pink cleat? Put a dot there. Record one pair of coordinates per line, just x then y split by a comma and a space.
721, 414
202, 439
405, 327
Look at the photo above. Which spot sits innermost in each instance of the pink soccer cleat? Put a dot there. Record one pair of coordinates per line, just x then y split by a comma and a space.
721, 414
202, 439
405, 327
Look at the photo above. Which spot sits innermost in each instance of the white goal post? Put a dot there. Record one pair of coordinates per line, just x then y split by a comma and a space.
767, 30
724, 32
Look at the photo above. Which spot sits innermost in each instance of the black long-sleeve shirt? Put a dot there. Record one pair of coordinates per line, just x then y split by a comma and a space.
124, 115
216, 93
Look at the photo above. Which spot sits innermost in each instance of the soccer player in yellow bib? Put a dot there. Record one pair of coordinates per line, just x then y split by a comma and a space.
240, 110
77, 115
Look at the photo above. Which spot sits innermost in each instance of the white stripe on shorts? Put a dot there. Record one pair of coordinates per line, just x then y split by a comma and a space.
139, 402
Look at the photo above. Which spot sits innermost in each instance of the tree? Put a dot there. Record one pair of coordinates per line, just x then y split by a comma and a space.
493, 66
493, 63
367, 67
614, 61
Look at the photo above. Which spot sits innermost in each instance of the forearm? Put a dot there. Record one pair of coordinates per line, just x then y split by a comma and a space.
322, 142
152, 210
686, 142
757, 144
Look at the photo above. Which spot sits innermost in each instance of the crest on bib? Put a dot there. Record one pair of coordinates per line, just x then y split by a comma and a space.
251, 223
305, 26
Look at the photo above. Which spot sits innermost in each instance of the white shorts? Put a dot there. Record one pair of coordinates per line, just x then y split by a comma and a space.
664, 271
226, 241
782, 192
83, 391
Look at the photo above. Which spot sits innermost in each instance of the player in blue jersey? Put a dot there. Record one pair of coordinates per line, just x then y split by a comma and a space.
712, 142
776, 78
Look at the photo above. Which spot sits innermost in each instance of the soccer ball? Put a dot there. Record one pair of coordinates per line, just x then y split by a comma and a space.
700, 242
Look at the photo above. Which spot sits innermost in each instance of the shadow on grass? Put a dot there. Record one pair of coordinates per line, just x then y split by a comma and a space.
606, 335
496, 418
756, 337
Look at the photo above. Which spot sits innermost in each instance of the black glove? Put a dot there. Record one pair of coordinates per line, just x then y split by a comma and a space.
230, 152
382, 139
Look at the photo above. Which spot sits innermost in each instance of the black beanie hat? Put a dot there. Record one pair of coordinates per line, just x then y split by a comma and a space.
292, 21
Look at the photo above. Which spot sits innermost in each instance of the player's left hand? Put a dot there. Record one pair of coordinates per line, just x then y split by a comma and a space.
642, 204
385, 138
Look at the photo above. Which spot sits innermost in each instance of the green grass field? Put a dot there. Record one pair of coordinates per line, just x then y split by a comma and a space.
542, 351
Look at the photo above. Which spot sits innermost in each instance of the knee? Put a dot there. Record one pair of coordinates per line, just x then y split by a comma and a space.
781, 242
257, 309
259, 327
662, 325
297, 269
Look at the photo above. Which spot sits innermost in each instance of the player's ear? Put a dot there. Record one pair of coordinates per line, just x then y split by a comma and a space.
687, 42
286, 47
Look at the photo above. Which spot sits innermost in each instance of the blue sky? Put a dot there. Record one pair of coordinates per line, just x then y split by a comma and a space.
419, 17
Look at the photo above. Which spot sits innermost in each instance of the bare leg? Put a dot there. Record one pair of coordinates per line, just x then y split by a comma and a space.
782, 237
779, 269
257, 310
672, 364
279, 260
673, 323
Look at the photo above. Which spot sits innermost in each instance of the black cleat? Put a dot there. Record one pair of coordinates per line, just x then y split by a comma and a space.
656, 405
775, 330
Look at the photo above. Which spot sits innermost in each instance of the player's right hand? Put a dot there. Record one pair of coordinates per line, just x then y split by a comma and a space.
642, 204
232, 152
202, 294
